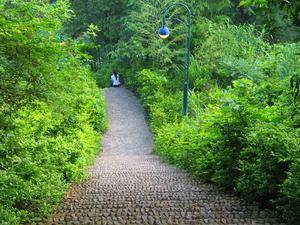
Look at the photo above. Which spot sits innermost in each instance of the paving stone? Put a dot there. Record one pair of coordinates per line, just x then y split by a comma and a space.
128, 184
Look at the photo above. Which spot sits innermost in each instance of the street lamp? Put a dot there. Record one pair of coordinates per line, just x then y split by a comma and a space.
164, 32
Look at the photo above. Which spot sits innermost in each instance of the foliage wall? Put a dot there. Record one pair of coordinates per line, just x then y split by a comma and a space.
51, 111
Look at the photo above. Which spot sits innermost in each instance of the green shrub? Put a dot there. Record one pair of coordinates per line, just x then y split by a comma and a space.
149, 85
189, 146
239, 142
265, 160
238, 58
165, 110
178, 143
290, 204
51, 111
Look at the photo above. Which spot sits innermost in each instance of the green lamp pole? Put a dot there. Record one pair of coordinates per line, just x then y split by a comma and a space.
164, 33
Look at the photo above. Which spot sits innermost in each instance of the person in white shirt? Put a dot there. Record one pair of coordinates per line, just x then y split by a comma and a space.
115, 79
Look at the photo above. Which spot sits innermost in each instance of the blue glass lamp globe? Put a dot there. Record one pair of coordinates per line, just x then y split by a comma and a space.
163, 32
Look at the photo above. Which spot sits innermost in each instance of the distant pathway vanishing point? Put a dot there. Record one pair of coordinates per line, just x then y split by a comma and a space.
129, 185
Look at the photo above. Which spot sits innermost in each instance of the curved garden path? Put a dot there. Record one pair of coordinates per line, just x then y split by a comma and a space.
130, 185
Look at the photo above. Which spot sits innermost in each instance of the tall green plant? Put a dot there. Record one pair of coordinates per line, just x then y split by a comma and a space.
51, 111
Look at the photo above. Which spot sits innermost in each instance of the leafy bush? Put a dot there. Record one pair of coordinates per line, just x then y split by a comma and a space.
161, 107
51, 111
242, 128
148, 85
188, 145
271, 148
165, 110
240, 143
290, 206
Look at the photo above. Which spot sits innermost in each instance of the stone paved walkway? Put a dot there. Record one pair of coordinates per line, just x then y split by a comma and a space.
129, 185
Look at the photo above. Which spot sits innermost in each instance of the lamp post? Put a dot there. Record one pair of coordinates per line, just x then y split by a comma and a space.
164, 33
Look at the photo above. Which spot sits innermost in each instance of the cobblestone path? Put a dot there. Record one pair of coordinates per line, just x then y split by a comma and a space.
129, 185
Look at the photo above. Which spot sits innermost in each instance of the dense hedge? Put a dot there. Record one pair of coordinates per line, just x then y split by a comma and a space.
242, 131
51, 111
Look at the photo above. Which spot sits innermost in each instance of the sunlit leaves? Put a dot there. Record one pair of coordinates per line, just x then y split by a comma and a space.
51, 111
